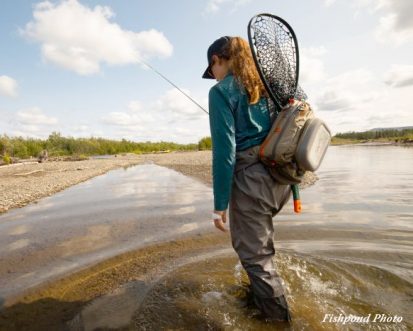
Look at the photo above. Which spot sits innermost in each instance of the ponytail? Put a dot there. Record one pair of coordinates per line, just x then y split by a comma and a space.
244, 70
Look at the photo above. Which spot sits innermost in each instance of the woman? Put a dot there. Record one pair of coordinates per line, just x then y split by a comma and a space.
239, 121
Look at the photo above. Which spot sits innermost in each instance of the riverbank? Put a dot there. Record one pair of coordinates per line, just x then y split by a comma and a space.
371, 142
21, 184
24, 183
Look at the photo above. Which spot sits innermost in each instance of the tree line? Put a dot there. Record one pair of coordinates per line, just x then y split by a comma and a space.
393, 134
57, 145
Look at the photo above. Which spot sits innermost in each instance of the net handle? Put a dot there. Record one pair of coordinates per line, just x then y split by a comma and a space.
257, 64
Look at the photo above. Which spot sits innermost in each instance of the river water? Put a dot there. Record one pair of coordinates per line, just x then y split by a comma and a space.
123, 210
363, 187
350, 252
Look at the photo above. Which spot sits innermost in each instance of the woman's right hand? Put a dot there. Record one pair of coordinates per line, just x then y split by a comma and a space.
220, 219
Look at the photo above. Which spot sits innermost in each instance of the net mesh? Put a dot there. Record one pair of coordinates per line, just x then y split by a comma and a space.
275, 52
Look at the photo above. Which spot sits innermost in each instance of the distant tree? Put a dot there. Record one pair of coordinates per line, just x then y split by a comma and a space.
5, 144
205, 143
20, 148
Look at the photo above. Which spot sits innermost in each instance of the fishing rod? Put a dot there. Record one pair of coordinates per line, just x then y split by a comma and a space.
170, 82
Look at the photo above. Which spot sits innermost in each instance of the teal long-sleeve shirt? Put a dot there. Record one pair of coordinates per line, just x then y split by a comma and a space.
235, 126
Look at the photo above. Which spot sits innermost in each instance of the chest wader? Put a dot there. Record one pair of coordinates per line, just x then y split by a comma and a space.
255, 199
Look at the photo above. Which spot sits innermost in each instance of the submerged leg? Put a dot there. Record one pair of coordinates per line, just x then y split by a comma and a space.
252, 232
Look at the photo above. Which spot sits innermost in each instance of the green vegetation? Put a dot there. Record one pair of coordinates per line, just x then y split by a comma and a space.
205, 143
6, 159
81, 148
378, 135
56, 145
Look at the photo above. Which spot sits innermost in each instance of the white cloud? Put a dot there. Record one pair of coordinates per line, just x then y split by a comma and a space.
311, 65
79, 38
403, 9
358, 100
83, 128
33, 122
389, 30
214, 6
328, 3
8, 86
35, 116
346, 91
331, 100
177, 104
135, 106
124, 119
399, 76
172, 117
395, 23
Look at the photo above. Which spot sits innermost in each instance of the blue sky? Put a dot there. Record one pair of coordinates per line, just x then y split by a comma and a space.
72, 66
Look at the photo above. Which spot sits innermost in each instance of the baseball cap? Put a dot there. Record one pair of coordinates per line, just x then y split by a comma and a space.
216, 48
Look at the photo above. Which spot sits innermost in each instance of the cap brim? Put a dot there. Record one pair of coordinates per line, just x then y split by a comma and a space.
207, 74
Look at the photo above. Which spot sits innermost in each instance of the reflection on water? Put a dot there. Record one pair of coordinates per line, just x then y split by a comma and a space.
18, 244
18, 230
361, 187
122, 210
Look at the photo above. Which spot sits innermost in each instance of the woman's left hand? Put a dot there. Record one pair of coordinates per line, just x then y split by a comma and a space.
219, 222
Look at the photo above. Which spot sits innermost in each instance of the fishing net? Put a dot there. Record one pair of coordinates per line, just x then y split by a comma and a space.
275, 51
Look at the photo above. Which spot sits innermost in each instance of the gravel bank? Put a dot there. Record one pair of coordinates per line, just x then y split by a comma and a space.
194, 164
21, 184
198, 165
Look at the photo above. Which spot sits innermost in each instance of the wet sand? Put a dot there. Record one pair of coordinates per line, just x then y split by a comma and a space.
51, 306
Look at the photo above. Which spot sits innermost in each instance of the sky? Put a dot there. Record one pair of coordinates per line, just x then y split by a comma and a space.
75, 66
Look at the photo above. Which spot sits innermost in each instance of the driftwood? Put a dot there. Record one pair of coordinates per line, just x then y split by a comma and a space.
29, 173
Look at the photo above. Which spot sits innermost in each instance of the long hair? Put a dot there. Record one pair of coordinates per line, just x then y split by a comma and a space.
242, 65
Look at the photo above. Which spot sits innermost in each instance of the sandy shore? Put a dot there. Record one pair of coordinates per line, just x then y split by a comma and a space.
21, 184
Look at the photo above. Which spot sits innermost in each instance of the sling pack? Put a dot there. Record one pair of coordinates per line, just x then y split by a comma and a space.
296, 143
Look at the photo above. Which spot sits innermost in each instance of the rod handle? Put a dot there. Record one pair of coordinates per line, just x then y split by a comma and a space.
296, 198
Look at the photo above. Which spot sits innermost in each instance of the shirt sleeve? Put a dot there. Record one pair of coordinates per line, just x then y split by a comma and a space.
222, 126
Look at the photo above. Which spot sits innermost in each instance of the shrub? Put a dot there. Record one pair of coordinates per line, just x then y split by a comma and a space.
6, 159
205, 143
